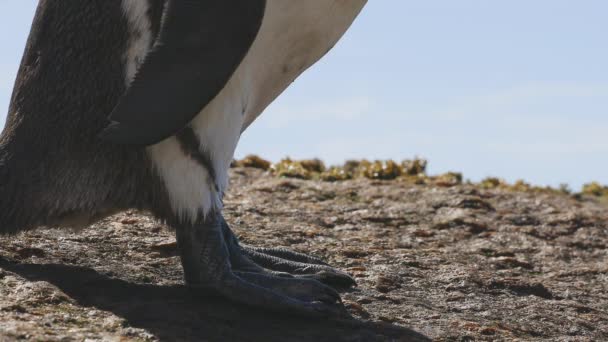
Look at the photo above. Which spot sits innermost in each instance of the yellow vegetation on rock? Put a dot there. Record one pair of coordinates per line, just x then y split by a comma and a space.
335, 174
492, 183
595, 189
414, 167
449, 179
379, 169
411, 171
351, 166
252, 161
290, 169
386, 170
521, 186
313, 165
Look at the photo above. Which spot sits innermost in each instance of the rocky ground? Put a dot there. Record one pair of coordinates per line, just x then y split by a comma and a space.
446, 263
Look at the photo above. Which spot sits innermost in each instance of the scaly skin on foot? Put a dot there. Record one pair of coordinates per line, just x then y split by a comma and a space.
287, 262
212, 258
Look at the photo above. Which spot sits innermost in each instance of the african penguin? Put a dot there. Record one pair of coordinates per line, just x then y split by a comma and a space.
122, 104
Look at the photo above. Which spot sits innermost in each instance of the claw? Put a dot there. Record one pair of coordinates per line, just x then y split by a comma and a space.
338, 279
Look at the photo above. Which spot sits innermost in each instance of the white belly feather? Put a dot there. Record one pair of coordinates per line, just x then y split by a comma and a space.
293, 36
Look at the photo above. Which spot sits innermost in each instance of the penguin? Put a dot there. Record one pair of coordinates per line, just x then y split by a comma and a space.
139, 104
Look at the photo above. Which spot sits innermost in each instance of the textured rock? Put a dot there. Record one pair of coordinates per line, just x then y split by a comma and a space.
432, 262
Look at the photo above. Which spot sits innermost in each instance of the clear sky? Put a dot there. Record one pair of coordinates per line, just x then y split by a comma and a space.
515, 89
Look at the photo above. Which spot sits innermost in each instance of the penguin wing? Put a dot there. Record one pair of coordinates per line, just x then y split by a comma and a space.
200, 45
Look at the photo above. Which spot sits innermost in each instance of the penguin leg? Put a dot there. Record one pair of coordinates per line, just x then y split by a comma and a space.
285, 262
208, 264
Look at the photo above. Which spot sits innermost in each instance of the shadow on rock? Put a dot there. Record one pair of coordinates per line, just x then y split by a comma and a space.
173, 313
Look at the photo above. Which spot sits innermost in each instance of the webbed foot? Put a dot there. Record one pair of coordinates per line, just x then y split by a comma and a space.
274, 279
288, 262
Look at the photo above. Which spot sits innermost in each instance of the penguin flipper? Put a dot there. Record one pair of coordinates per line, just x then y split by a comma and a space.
201, 44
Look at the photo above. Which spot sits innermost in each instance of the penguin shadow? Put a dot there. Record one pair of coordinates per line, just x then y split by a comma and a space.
173, 313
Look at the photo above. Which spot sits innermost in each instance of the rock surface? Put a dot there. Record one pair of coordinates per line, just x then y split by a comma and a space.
444, 263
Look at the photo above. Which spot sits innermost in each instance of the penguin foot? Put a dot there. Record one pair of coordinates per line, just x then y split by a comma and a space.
321, 272
213, 259
288, 263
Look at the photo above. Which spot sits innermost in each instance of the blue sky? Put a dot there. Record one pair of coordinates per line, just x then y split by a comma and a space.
515, 89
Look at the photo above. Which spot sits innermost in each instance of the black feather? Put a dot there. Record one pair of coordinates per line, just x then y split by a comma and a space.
201, 44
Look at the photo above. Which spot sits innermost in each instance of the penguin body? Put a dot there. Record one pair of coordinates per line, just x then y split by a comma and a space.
122, 104
54, 170
173, 130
